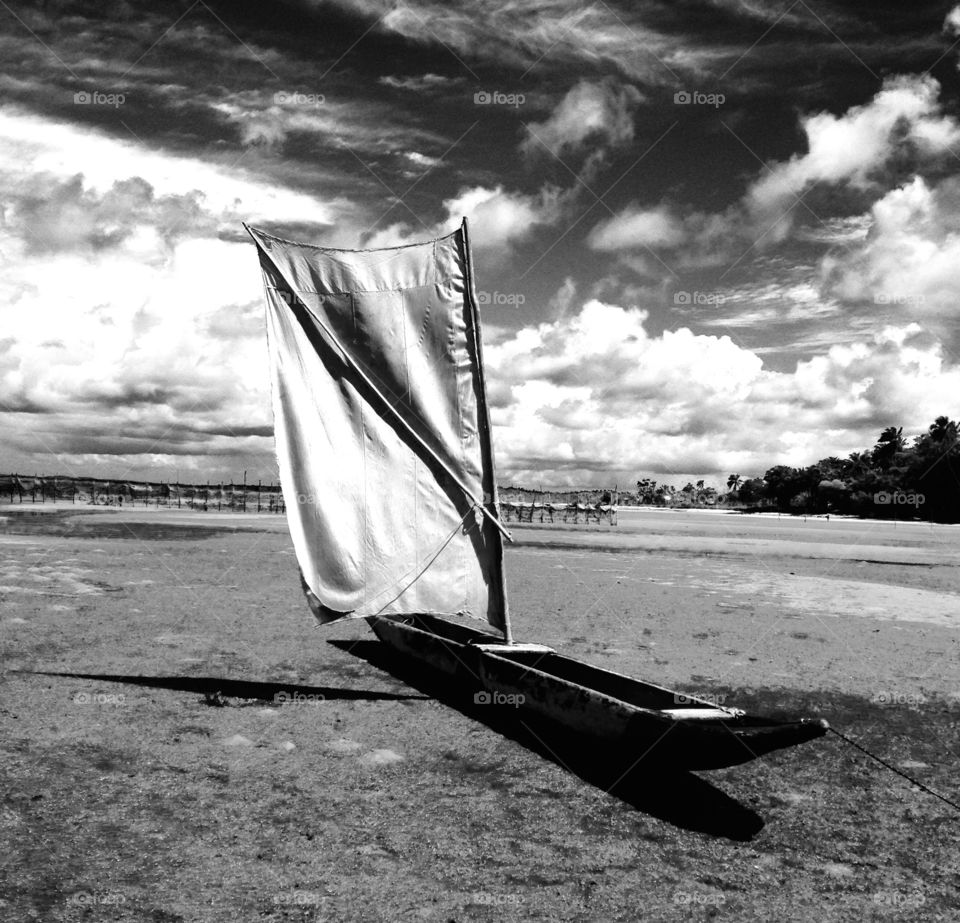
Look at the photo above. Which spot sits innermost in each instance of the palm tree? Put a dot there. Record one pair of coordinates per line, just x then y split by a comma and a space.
889, 445
892, 436
734, 482
859, 462
943, 430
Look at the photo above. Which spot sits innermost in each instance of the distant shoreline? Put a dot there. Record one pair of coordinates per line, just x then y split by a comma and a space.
774, 514
127, 509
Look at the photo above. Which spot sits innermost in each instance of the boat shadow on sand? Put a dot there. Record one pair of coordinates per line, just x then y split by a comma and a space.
676, 796
215, 688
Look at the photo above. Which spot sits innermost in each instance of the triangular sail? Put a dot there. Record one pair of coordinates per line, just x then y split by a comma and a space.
381, 428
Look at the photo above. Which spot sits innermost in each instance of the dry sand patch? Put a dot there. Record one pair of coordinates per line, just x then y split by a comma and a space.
134, 808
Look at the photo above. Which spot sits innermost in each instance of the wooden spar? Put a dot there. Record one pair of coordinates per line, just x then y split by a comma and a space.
334, 340
484, 421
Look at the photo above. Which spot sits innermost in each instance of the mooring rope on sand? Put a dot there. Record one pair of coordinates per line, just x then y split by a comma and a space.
899, 772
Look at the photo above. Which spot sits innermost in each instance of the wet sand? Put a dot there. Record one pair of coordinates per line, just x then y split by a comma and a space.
359, 796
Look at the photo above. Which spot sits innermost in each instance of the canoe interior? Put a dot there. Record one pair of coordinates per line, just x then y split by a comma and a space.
451, 631
597, 704
626, 689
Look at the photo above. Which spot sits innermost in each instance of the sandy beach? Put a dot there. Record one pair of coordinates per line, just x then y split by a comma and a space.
223, 760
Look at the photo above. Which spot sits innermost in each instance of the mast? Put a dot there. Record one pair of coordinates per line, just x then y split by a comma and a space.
486, 436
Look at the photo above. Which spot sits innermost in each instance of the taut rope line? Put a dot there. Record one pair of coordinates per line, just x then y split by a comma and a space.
883, 762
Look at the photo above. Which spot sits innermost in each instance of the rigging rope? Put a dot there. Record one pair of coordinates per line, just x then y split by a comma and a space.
423, 569
892, 768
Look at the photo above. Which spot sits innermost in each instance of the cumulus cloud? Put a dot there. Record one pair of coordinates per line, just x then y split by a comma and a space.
421, 160
903, 117
635, 227
133, 335
594, 395
909, 261
144, 363
902, 125
32, 147
51, 214
563, 299
132, 326
497, 218
593, 113
951, 24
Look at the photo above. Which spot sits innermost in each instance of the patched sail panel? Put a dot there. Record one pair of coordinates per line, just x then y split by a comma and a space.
381, 428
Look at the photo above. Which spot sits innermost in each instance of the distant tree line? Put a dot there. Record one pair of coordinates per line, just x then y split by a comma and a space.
891, 480
650, 492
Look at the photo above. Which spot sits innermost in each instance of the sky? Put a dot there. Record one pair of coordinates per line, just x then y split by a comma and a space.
710, 236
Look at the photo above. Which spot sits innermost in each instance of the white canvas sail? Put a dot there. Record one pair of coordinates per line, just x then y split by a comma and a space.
381, 428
